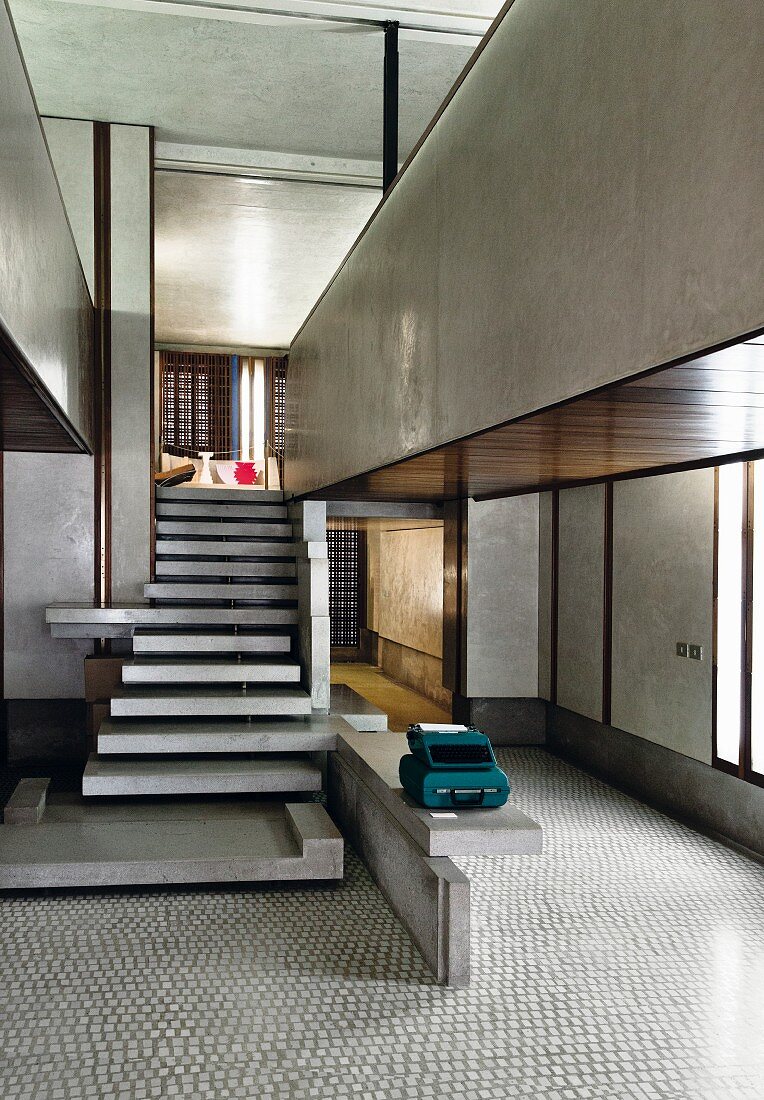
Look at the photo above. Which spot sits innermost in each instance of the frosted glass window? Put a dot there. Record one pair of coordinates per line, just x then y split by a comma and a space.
757, 639
729, 621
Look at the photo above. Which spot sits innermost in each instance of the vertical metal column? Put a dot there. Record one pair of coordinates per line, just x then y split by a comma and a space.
390, 107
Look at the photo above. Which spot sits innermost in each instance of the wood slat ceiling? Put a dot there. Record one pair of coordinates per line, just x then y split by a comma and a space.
27, 423
694, 413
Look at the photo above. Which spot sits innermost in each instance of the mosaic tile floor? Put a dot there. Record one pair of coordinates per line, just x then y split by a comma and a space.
626, 963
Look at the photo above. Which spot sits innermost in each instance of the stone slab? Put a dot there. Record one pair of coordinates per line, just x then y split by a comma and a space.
192, 702
112, 844
209, 670
199, 775
27, 803
218, 493
430, 897
148, 641
132, 615
199, 590
317, 733
505, 830
214, 509
249, 548
189, 567
224, 528
357, 711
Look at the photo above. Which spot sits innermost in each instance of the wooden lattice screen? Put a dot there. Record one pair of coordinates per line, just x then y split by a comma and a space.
276, 388
196, 402
344, 585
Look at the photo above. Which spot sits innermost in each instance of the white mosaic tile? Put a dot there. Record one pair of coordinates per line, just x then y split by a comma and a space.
625, 963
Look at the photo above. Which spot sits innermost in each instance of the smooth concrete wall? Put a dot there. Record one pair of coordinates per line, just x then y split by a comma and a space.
48, 557
70, 142
131, 359
48, 510
581, 600
663, 594
587, 206
502, 598
44, 301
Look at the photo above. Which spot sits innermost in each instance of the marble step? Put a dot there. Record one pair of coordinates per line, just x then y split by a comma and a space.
197, 548
86, 621
234, 494
226, 775
221, 528
133, 736
222, 700
197, 590
152, 641
190, 568
210, 670
86, 843
217, 510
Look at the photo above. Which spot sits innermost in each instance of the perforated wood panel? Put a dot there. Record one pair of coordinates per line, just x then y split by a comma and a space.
344, 585
196, 402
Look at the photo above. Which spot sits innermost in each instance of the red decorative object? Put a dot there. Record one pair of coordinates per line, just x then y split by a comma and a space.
245, 473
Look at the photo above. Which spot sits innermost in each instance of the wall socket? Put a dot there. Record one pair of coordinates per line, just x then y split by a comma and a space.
681, 649
689, 649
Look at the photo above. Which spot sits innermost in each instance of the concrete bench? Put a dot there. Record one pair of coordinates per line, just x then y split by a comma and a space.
408, 850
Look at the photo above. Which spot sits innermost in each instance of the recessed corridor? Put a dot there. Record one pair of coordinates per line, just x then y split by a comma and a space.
625, 963
402, 705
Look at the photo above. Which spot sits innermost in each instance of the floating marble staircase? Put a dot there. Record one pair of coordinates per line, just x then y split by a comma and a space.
214, 703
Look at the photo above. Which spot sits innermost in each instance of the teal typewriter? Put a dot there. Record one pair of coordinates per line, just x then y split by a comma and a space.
452, 767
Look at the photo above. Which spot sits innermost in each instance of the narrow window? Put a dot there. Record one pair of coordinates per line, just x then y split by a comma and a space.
730, 559
757, 624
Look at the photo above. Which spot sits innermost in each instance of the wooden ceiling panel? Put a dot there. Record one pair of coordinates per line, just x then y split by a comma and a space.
690, 414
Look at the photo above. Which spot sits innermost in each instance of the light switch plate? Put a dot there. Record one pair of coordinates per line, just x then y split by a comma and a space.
695, 652
681, 649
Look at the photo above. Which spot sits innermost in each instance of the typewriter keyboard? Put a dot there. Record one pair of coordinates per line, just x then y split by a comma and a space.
460, 754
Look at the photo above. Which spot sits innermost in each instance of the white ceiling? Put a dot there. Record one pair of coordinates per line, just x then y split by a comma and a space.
241, 262
207, 82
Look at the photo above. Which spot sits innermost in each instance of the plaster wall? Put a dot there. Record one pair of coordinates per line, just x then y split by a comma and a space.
48, 499
70, 142
663, 594
48, 557
581, 596
44, 301
131, 359
502, 597
587, 206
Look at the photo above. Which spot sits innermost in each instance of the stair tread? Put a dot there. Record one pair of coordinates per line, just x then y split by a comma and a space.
199, 775
219, 510
218, 548
216, 493
146, 735
192, 568
222, 691
253, 528
209, 669
207, 643
201, 766
200, 590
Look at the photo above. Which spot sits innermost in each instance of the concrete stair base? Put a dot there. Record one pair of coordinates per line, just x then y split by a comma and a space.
89, 844
223, 775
